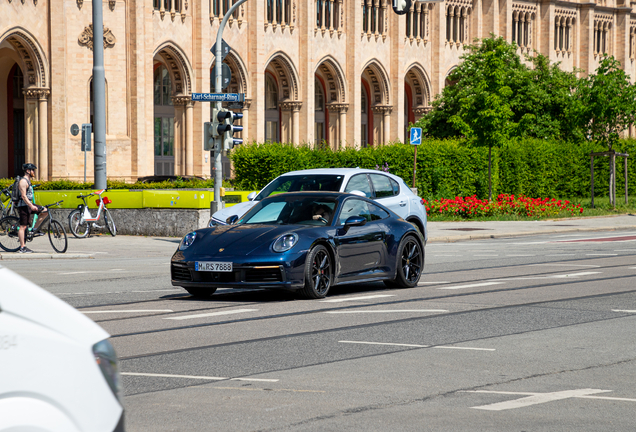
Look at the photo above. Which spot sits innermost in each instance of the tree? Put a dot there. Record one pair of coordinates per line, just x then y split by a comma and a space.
478, 105
608, 107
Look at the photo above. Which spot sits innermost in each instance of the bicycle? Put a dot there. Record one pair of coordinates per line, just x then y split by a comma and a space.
10, 225
6, 203
81, 220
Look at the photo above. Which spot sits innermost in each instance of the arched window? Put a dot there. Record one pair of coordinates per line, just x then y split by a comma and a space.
271, 110
163, 122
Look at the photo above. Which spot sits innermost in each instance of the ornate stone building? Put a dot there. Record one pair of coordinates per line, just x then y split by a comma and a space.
340, 72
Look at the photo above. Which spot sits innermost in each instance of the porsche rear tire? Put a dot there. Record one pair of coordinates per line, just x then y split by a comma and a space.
318, 273
409, 263
201, 292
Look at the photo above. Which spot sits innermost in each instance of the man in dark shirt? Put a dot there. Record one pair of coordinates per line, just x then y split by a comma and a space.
25, 206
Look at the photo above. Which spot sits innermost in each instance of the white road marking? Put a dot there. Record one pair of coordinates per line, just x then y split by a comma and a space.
563, 265
416, 346
624, 250
470, 285
533, 398
480, 255
339, 300
447, 255
433, 283
209, 378
624, 311
563, 276
520, 255
465, 348
388, 344
211, 314
386, 311
602, 254
91, 271
128, 311
559, 254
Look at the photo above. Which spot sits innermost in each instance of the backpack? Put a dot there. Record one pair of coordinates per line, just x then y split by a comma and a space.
15, 190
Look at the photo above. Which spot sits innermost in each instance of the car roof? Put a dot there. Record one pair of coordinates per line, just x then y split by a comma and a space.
336, 171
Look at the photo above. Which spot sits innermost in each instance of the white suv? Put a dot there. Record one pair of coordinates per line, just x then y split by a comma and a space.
387, 189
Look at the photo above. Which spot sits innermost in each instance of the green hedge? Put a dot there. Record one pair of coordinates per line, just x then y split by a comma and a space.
448, 168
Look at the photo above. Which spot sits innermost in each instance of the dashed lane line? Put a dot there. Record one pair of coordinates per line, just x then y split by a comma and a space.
129, 311
417, 346
623, 311
339, 300
208, 378
211, 314
387, 311
470, 285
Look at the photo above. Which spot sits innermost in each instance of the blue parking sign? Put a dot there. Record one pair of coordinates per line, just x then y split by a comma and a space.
416, 136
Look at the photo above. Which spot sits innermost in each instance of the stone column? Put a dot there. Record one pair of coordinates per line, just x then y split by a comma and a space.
181, 133
189, 138
385, 111
341, 109
245, 120
294, 107
36, 139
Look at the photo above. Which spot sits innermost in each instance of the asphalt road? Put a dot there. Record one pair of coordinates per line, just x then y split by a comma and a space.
512, 334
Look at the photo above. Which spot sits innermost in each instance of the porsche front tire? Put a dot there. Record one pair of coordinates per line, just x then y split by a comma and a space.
318, 273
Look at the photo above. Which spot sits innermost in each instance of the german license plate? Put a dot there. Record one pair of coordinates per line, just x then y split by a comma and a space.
213, 266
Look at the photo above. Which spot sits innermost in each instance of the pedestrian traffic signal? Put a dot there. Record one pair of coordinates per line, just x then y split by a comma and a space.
401, 7
227, 128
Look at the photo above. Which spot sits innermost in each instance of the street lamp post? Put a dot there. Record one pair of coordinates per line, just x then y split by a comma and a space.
99, 97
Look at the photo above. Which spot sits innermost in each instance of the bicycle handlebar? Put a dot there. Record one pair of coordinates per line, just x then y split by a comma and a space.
54, 204
92, 193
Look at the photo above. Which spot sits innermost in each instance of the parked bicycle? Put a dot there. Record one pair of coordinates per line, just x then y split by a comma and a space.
42, 224
6, 204
81, 220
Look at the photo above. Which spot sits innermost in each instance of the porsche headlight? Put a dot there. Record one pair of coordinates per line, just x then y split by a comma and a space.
187, 240
285, 242
107, 361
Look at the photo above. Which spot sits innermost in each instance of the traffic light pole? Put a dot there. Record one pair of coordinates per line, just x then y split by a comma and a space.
218, 84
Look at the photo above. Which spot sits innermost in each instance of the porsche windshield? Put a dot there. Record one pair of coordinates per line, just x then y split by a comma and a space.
292, 211
301, 183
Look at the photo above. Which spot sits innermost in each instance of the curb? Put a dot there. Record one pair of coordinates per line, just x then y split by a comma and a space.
16, 256
451, 239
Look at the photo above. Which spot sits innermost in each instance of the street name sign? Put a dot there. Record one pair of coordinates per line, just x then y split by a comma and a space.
218, 97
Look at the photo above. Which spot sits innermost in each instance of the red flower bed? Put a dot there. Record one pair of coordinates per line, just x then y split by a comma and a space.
470, 207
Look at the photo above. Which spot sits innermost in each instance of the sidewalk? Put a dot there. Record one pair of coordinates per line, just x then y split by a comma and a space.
133, 246
462, 231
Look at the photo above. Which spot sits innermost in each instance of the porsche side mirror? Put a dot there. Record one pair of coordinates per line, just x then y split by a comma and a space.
232, 220
251, 196
354, 221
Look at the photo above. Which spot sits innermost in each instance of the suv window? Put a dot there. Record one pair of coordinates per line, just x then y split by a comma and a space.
296, 183
359, 182
382, 185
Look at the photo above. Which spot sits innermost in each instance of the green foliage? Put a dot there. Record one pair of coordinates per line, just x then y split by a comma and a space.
450, 168
608, 102
495, 96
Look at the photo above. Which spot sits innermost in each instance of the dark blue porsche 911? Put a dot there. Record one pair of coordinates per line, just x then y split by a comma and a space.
305, 242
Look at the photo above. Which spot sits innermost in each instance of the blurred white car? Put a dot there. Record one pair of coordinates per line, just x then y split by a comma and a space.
58, 372
387, 189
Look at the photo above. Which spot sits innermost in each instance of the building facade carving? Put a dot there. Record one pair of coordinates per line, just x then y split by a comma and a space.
329, 72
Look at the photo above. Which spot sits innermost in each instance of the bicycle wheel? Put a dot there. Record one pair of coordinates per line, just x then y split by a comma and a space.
9, 227
78, 229
110, 223
57, 236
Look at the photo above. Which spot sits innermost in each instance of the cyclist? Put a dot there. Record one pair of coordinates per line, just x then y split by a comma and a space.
25, 205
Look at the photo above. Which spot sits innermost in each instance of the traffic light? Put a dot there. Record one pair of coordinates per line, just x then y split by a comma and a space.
401, 7
211, 131
227, 128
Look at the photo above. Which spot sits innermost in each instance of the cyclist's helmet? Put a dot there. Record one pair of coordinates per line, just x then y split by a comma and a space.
28, 166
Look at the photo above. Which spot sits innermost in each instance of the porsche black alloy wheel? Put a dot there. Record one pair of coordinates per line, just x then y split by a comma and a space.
201, 292
318, 273
410, 263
